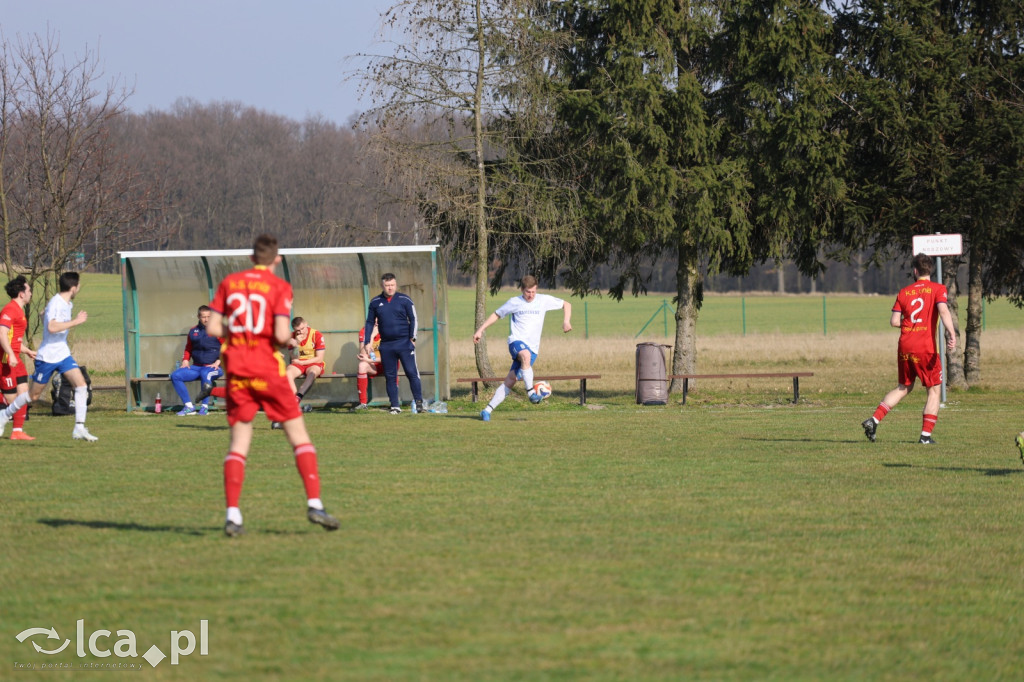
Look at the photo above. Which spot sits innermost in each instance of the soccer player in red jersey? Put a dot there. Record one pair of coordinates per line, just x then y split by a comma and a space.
13, 375
309, 360
252, 313
916, 312
369, 366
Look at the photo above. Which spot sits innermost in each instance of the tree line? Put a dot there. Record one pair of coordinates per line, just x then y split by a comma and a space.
612, 146
718, 136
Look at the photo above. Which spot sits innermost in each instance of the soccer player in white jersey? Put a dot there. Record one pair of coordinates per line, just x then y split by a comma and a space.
54, 355
527, 323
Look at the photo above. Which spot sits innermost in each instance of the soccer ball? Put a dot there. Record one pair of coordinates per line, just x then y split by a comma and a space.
542, 388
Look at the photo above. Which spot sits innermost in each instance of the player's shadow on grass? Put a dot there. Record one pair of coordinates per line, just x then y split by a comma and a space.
980, 470
202, 427
116, 525
803, 440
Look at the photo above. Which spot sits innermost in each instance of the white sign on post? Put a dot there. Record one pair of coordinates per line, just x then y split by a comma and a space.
939, 245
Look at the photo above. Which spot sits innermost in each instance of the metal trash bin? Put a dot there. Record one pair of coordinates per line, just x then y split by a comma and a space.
651, 374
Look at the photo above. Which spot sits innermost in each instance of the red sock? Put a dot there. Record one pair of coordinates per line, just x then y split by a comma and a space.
928, 424
19, 417
362, 382
881, 411
305, 460
234, 474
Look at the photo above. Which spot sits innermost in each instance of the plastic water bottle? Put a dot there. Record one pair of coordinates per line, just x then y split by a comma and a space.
412, 406
158, 406
439, 408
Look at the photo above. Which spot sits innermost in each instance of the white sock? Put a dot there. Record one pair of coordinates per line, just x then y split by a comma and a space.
315, 503
189, 405
81, 403
235, 515
16, 404
498, 396
528, 379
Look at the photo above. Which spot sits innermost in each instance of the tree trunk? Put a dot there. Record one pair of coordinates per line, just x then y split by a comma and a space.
972, 343
955, 360
780, 269
483, 363
688, 287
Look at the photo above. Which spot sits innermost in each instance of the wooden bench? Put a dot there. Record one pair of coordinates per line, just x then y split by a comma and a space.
582, 378
137, 391
763, 375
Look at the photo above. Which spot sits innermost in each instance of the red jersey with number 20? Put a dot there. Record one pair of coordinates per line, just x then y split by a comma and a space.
249, 301
918, 303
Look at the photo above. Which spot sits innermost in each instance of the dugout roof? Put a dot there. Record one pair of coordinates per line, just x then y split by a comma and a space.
161, 291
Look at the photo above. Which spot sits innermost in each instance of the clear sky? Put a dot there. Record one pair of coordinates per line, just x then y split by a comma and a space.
282, 56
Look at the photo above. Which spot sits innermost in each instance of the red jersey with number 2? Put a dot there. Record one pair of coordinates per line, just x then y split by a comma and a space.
918, 303
249, 301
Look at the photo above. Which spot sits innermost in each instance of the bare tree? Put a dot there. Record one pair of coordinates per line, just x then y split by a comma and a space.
66, 193
458, 122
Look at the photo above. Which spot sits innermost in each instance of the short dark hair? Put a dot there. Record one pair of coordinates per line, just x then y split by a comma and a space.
387, 277
923, 264
68, 281
204, 309
264, 249
296, 321
16, 286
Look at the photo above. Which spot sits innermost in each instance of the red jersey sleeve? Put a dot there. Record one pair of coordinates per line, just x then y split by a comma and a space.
283, 303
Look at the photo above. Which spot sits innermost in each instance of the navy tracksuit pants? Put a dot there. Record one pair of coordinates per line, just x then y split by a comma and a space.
393, 352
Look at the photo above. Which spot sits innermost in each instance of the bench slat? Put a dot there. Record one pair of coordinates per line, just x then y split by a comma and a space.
741, 376
756, 375
139, 380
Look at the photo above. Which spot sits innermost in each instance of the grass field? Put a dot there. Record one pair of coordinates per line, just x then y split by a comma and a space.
738, 537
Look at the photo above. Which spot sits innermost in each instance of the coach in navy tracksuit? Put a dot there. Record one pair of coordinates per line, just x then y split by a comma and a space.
395, 316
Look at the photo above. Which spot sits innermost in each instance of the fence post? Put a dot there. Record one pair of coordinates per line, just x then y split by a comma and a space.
824, 315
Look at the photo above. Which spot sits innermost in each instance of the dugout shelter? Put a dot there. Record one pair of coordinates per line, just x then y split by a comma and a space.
161, 291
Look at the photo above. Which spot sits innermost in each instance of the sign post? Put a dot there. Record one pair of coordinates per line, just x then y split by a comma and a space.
938, 245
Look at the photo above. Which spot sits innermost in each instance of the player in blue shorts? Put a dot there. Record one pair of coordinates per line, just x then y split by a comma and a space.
526, 325
54, 355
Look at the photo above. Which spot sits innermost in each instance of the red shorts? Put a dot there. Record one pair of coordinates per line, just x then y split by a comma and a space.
306, 368
924, 366
246, 395
9, 379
